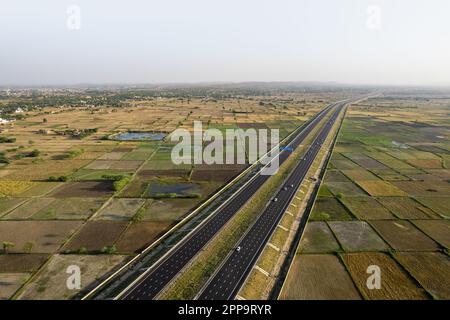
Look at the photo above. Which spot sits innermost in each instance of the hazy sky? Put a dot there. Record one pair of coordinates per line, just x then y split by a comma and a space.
155, 41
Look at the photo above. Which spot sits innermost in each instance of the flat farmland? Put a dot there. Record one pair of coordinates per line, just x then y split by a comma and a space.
431, 269
396, 283
318, 277
45, 236
390, 174
78, 179
50, 282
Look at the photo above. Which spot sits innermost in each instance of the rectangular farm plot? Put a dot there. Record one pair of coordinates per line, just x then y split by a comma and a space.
344, 165
439, 205
439, 230
10, 283
389, 175
366, 208
357, 236
29, 262
169, 210
8, 204
369, 163
424, 188
430, 269
95, 235
380, 188
360, 174
335, 176
45, 236
139, 235
114, 155
68, 209
426, 164
318, 238
10, 188
50, 283
125, 165
407, 208
396, 284
120, 209
88, 189
318, 277
404, 236
349, 189
138, 154
329, 208
28, 209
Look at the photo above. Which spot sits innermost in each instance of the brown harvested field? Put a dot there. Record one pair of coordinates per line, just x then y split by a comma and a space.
439, 205
426, 164
88, 189
407, 208
21, 262
380, 188
439, 230
96, 235
46, 236
99, 165
424, 188
135, 188
113, 155
127, 165
123, 149
335, 176
404, 236
357, 236
120, 209
148, 174
44, 169
430, 269
213, 175
318, 238
50, 283
366, 208
10, 283
140, 234
318, 277
167, 209
396, 284
360, 174
328, 208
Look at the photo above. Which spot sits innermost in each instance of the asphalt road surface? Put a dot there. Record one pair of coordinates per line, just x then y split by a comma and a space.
151, 282
228, 279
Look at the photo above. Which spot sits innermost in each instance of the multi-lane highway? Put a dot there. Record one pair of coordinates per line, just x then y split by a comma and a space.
156, 278
228, 279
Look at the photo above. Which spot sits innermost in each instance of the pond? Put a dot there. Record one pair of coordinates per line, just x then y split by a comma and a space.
178, 190
140, 136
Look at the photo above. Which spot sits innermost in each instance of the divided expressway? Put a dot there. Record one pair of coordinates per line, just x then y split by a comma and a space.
157, 277
231, 275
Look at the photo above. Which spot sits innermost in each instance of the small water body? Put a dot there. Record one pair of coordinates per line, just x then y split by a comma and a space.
140, 136
180, 189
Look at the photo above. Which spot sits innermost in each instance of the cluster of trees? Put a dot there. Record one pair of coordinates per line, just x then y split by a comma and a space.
7, 245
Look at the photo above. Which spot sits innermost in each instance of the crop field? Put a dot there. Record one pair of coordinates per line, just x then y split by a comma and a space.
77, 186
385, 198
